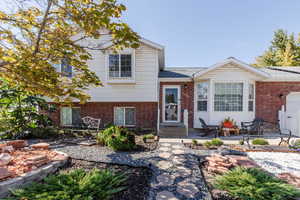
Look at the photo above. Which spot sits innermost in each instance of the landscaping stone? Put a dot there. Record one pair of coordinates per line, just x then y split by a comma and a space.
164, 155
164, 149
165, 179
227, 151
4, 173
40, 146
5, 158
17, 144
165, 144
6, 149
290, 178
164, 164
165, 195
177, 152
187, 189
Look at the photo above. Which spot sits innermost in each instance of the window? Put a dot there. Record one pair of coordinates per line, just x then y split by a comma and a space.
120, 65
228, 97
66, 69
251, 98
70, 116
124, 116
202, 95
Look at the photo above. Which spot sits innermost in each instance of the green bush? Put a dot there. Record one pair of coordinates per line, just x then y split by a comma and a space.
295, 144
260, 141
254, 184
194, 142
74, 185
216, 142
117, 138
148, 136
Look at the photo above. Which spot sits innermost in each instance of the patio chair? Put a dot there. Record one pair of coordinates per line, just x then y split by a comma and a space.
252, 128
208, 129
284, 134
91, 123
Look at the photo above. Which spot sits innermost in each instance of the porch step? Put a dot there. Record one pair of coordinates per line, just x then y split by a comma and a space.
172, 130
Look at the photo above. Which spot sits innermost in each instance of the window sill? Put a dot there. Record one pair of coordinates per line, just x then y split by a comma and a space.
121, 81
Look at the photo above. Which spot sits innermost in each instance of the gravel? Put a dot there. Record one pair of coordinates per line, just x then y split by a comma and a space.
276, 163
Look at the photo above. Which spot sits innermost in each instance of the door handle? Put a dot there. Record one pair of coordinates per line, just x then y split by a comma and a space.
289, 117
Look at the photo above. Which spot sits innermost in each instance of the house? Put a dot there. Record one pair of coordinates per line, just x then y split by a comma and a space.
139, 91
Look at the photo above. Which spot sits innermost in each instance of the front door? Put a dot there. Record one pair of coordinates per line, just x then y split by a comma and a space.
293, 113
171, 104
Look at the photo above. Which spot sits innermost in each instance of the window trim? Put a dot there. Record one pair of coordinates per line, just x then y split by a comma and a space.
214, 93
124, 107
121, 79
61, 113
202, 99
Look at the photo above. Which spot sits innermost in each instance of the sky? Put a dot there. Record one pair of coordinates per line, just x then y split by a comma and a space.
199, 33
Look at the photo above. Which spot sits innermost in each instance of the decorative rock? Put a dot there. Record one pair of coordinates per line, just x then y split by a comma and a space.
38, 160
5, 158
227, 151
4, 173
156, 138
165, 195
60, 157
40, 146
187, 189
164, 164
290, 178
17, 144
164, 155
164, 149
165, 179
178, 151
6, 149
178, 160
182, 171
177, 146
165, 144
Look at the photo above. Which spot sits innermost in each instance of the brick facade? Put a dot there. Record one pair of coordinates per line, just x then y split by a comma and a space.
270, 96
146, 112
187, 99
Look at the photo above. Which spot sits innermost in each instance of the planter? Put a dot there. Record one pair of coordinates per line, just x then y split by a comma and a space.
149, 140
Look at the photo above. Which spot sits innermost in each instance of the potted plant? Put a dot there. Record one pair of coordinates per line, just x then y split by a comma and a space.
228, 123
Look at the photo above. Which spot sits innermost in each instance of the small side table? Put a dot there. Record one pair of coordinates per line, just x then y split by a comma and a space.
228, 131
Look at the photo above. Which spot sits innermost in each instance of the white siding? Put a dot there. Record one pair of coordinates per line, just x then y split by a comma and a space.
146, 75
226, 73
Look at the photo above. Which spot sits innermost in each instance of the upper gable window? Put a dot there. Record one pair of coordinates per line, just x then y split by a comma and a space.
120, 66
66, 68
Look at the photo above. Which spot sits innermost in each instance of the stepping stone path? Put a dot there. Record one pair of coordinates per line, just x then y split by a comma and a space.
176, 172
179, 176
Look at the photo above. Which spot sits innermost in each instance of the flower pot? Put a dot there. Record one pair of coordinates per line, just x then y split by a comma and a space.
227, 125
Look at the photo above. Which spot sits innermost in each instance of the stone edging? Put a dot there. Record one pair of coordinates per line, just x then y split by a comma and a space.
35, 175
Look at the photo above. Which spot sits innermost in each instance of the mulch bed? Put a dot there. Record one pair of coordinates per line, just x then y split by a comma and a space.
138, 179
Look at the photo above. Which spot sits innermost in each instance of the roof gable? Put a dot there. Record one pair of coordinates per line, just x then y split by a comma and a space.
236, 62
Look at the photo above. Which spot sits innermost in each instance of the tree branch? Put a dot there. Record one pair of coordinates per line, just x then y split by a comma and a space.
42, 27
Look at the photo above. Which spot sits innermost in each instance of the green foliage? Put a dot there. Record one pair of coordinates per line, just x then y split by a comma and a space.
284, 51
216, 142
117, 138
241, 142
74, 185
260, 141
20, 112
35, 36
148, 136
194, 142
295, 144
254, 184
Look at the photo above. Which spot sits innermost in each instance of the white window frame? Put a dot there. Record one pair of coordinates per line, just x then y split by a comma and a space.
224, 82
58, 69
202, 99
61, 115
121, 79
124, 107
